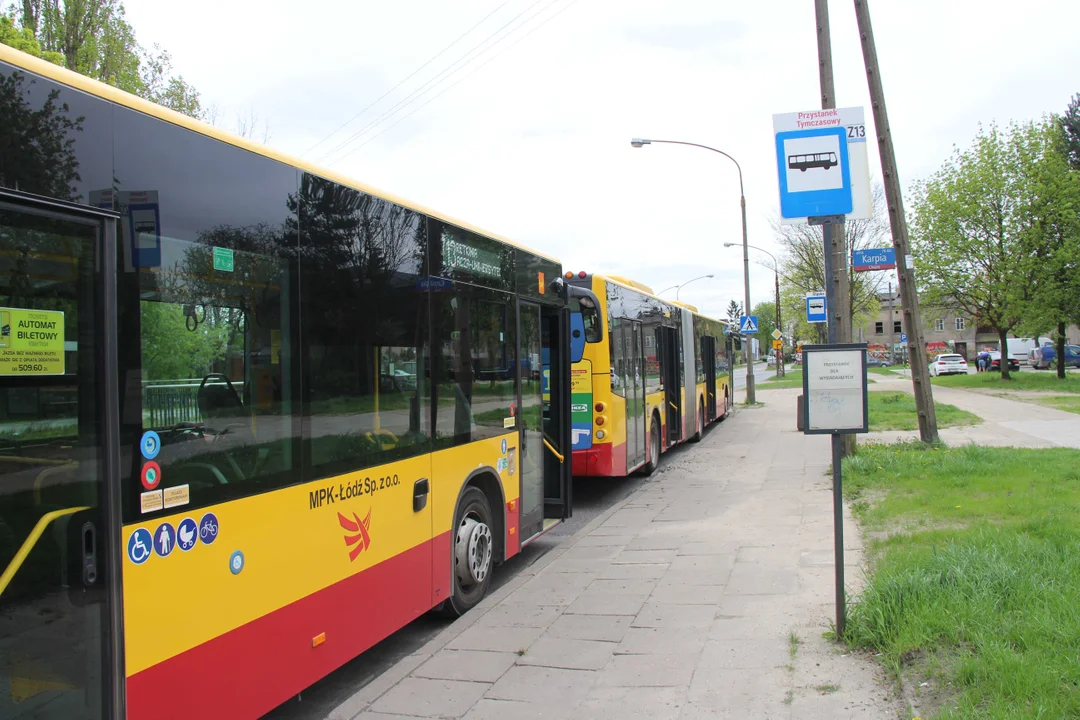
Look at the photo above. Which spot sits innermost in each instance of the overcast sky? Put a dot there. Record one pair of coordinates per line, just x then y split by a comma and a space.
535, 144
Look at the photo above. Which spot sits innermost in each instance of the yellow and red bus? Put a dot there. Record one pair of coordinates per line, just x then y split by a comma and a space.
654, 373
254, 416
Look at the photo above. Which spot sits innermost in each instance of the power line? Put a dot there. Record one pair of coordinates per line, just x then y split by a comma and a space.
414, 72
423, 89
465, 77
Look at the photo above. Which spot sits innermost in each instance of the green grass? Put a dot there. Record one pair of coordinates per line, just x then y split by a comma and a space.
882, 371
1069, 403
793, 378
891, 410
1026, 379
975, 574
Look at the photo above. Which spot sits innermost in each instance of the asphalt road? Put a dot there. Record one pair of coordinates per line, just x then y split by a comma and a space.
591, 497
761, 371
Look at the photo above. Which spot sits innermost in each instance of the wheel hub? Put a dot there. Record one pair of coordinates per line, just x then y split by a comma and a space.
472, 552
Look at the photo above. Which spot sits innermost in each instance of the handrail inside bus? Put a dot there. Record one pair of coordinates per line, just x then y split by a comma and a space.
69, 465
31, 540
554, 452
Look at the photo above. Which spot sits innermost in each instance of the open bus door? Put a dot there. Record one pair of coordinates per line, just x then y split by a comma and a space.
61, 654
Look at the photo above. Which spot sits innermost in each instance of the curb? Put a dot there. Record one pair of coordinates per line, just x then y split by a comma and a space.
366, 696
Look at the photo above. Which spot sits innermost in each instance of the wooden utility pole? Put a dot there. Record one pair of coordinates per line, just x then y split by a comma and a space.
905, 273
837, 281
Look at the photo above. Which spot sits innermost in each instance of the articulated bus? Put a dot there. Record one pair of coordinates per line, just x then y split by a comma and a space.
254, 417
655, 373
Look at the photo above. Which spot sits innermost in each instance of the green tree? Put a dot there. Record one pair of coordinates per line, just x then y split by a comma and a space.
803, 267
1052, 235
734, 312
94, 38
173, 352
971, 228
766, 317
23, 39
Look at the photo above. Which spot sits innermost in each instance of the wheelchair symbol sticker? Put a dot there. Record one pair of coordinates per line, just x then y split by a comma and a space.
140, 546
150, 445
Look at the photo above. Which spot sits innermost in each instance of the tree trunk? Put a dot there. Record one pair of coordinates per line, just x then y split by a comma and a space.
1059, 341
1004, 340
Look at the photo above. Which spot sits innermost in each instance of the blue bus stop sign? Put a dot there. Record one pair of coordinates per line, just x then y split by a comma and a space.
815, 180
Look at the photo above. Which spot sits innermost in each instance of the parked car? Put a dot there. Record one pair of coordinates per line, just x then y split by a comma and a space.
872, 361
995, 362
948, 364
1045, 355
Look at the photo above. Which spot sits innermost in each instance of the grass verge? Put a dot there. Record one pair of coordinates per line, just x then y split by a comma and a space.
891, 410
1069, 403
791, 379
1027, 379
975, 574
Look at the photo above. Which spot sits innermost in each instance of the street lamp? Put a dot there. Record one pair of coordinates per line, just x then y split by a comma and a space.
641, 142
680, 287
776, 277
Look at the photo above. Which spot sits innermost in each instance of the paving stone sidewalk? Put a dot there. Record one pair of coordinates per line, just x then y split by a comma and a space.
680, 603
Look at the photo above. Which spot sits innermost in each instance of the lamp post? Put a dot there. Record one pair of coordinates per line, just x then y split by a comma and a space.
680, 287
776, 278
751, 398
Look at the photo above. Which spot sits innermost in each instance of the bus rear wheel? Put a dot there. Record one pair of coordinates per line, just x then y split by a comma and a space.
700, 431
473, 552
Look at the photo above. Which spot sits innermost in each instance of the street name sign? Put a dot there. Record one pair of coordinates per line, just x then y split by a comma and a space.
873, 259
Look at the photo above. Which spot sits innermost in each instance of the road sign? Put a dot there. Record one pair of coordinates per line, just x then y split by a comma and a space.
748, 324
874, 259
903, 337
852, 120
815, 309
815, 180
778, 344
776, 334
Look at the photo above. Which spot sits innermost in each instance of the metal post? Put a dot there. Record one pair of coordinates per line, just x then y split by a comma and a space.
892, 339
838, 532
750, 394
780, 350
909, 298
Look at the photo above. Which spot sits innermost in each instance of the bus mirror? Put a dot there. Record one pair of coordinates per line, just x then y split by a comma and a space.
577, 337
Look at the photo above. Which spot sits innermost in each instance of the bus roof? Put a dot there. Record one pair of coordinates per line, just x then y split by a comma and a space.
645, 289
108, 92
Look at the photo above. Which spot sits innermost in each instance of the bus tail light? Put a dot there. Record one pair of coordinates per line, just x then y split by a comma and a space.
569, 274
582, 274
600, 420
600, 434
600, 407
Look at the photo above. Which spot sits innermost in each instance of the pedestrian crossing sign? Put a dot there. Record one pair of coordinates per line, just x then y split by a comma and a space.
748, 324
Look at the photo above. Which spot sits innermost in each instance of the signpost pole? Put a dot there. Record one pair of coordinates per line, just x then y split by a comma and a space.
905, 273
838, 531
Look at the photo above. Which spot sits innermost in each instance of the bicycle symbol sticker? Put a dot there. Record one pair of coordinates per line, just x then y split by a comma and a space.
208, 528
139, 546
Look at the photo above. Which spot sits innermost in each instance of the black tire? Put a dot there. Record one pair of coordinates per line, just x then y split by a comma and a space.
654, 446
700, 427
472, 553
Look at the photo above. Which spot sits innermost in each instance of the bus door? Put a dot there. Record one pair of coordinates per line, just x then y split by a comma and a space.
669, 371
60, 653
708, 364
543, 417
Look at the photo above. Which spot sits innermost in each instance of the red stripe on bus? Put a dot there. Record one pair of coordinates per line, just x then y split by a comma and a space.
256, 667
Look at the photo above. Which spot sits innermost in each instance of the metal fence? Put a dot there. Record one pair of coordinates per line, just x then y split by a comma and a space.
166, 403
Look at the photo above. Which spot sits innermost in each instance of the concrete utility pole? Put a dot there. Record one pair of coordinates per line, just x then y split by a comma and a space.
837, 281
905, 273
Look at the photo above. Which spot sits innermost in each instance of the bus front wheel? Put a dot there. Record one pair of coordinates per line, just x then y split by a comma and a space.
473, 556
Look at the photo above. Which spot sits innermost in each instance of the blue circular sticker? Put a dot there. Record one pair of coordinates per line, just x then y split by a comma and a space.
150, 445
187, 534
236, 562
208, 528
139, 546
164, 539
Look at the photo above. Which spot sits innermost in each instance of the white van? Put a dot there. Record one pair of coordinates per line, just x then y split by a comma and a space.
1020, 349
